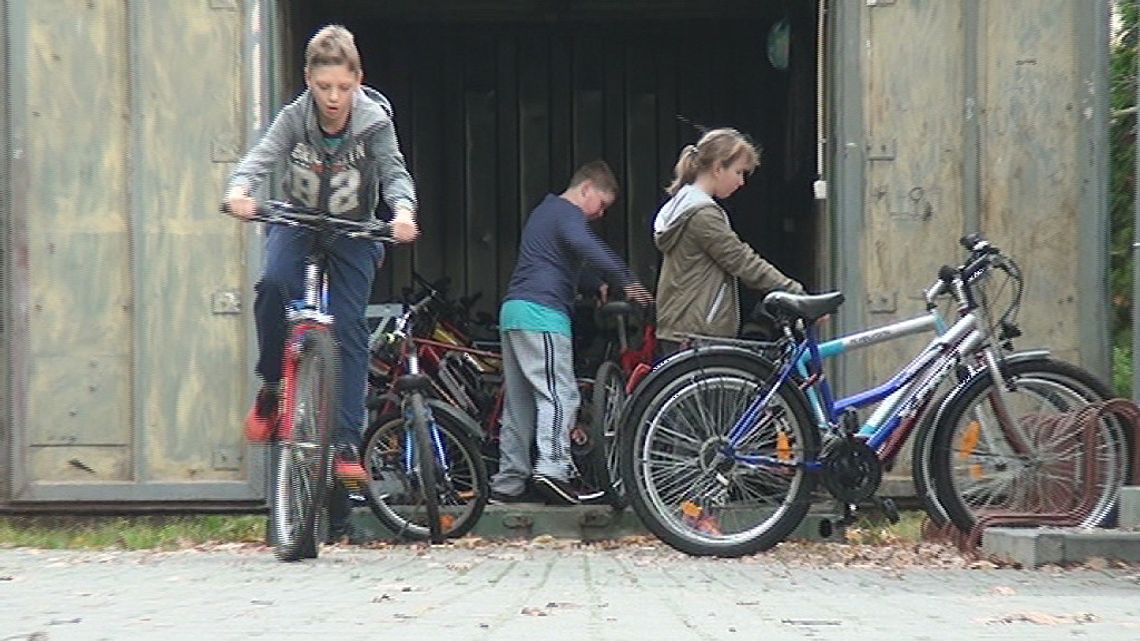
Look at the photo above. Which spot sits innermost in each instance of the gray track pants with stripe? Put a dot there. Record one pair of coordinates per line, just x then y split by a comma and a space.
541, 405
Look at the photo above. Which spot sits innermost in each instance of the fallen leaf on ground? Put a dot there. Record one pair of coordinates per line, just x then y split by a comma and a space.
1042, 618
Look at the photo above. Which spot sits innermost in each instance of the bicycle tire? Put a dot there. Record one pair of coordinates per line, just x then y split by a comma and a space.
391, 494
923, 436
920, 450
963, 447
672, 518
607, 401
304, 462
425, 465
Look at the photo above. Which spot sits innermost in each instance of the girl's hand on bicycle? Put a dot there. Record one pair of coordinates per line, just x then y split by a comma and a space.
239, 205
404, 228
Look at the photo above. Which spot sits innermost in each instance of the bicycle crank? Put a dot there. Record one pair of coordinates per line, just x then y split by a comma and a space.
851, 470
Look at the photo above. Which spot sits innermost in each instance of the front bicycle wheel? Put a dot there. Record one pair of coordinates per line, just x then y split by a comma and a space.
424, 464
607, 402
683, 479
395, 490
304, 461
1032, 461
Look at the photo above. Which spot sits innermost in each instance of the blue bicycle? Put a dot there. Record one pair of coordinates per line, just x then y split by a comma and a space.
723, 444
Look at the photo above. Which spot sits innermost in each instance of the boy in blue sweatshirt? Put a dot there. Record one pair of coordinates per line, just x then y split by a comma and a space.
534, 321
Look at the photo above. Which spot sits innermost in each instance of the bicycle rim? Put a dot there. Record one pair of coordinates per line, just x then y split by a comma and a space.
608, 400
978, 470
704, 506
394, 494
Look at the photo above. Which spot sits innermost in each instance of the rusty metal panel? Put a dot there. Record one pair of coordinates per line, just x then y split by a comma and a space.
1031, 192
914, 149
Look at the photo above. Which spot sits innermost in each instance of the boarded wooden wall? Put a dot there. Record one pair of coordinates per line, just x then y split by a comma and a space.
5, 261
135, 374
976, 117
128, 371
973, 123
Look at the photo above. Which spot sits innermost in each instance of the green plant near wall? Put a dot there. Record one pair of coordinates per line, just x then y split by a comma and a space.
1122, 188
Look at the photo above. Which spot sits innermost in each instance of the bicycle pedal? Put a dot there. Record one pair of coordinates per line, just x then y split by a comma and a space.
847, 515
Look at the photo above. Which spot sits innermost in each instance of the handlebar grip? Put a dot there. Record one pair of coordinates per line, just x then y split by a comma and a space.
947, 273
262, 210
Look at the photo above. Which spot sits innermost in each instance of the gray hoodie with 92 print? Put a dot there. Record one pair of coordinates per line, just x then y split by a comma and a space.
346, 181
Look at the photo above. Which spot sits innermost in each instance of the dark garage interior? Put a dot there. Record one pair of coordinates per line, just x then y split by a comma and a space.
497, 102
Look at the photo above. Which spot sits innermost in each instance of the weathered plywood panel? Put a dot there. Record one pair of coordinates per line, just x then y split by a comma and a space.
78, 243
8, 411
192, 359
80, 298
914, 124
80, 401
1030, 174
82, 465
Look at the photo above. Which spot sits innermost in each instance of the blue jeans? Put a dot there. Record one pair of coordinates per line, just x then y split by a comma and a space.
352, 265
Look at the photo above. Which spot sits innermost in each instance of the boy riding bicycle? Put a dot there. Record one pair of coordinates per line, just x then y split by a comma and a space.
338, 139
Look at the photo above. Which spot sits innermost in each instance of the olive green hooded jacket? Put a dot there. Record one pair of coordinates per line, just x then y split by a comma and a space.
704, 260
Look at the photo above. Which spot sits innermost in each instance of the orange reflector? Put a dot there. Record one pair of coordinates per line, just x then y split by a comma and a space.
970, 439
691, 509
783, 446
446, 522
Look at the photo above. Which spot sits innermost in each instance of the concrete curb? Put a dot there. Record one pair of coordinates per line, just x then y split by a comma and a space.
1033, 548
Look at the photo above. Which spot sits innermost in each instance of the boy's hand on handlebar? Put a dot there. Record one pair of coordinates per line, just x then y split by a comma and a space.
239, 205
637, 293
404, 228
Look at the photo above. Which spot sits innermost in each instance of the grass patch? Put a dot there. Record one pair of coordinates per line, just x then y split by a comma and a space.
874, 529
129, 532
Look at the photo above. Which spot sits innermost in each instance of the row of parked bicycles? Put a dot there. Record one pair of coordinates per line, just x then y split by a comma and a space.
722, 447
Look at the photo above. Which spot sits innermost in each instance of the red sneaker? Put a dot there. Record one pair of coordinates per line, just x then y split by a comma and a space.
261, 422
347, 468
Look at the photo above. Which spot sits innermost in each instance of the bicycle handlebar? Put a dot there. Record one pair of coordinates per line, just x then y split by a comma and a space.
983, 256
283, 213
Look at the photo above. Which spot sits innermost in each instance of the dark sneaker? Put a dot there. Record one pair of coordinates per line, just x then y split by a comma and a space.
555, 491
347, 468
261, 422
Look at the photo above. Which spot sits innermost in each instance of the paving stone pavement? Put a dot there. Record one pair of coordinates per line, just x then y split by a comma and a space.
537, 593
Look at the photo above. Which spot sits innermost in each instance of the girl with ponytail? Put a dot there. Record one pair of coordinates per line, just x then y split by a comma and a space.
704, 259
